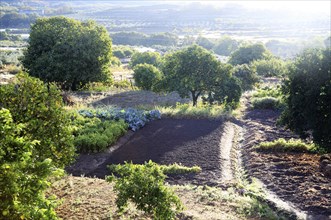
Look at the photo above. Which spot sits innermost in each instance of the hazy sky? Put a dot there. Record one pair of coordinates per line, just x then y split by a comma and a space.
308, 6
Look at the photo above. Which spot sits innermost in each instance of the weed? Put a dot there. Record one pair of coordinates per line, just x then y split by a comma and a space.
292, 145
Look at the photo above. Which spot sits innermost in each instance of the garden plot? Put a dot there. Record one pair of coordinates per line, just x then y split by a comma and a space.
186, 141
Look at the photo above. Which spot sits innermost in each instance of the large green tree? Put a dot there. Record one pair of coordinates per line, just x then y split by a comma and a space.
194, 71
68, 52
248, 53
308, 96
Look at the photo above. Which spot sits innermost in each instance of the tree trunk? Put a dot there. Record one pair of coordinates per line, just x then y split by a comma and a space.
195, 97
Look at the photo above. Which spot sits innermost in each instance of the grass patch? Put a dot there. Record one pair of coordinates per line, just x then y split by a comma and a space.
198, 112
266, 103
292, 145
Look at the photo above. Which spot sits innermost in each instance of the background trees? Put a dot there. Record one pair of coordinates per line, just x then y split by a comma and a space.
308, 96
194, 71
69, 52
152, 58
248, 53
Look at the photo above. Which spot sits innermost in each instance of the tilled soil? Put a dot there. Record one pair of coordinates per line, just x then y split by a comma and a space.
166, 141
294, 177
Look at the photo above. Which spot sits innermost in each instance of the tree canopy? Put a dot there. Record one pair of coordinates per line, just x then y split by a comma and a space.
194, 71
308, 96
146, 76
248, 53
152, 58
68, 52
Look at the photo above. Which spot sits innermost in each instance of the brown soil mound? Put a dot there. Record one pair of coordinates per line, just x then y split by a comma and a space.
186, 141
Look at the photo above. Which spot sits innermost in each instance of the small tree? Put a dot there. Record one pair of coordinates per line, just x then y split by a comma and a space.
247, 76
68, 52
152, 58
23, 175
226, 46
40, 107
271, 67
308, 96
248, 53
146, 76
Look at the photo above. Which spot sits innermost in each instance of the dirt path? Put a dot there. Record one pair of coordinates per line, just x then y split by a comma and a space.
291, 177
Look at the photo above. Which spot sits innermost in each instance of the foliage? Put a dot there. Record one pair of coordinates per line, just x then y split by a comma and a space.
248, 53
10, 57
123, 52
282, 145
134, 118
10, 37
123, 84
146, 76
197, 112
268, 91
94, 135
204, 42
144, 185
135, 38
308, 96
247, 76
152, 58
23, 175
226, 46
193, 71
266, 103
71, 58
271, 67
16, 20
40, 107
227, 92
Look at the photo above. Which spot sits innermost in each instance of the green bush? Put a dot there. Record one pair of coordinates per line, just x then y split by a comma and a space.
23, 175
308, 96
247, 76
152, 58
146, 76
94, 135
246, 54
40, 107
144, 185
266, 103
292, 145
271, 67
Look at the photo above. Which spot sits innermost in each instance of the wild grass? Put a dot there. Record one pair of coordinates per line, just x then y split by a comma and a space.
199, 112
292, 145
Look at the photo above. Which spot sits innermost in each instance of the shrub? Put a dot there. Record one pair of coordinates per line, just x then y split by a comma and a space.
308, 96
152, 58
146, 76
271, 67
292, 145
94, 135
23, 175
248, 53
247, 76
144, 185
40, 107
266, 103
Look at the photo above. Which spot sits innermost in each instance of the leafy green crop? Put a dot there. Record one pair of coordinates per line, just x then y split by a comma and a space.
94, 135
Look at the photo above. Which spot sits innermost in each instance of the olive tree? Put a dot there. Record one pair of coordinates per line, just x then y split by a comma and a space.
69, 52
